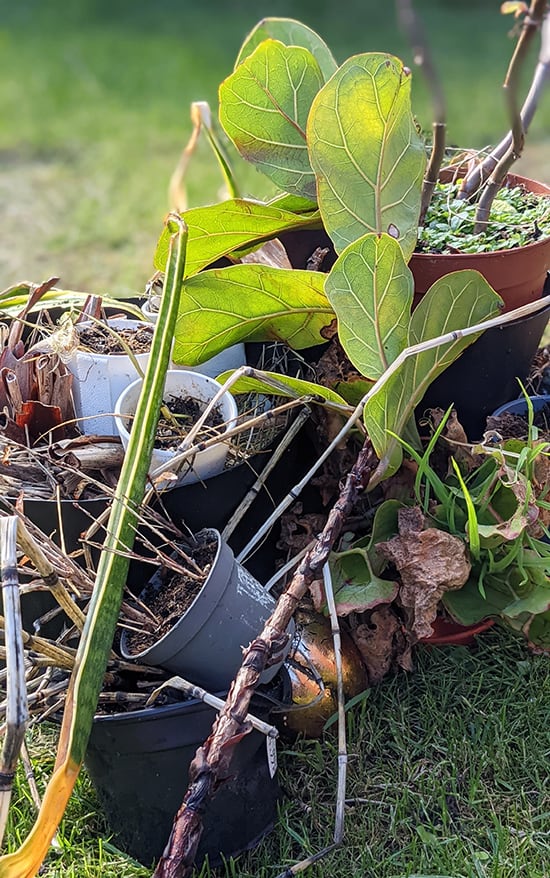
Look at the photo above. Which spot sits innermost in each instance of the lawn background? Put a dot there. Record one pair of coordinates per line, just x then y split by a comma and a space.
448, 766
94, 110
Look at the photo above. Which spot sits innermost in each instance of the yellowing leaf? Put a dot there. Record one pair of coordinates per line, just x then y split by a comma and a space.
221, 307
264, 106
367, 156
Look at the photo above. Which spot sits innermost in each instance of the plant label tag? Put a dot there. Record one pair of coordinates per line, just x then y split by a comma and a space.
271, 744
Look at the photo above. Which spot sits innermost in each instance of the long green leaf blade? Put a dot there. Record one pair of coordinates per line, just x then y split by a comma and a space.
219, 229
370, 288
264, 106
97, 637
367, 156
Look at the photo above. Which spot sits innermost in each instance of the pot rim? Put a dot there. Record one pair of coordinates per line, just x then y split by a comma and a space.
115, 322
227, 401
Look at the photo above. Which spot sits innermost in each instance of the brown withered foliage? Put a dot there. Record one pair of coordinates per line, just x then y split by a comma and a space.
382, 644
429, 562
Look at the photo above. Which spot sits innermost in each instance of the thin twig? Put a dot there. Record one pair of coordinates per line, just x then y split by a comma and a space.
342, 746
531, 25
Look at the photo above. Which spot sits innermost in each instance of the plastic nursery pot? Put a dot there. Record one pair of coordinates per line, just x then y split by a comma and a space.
485, 375
518, 275
205, 645
231, 358
71, 519
519, 406
447, 632
138, 763
99, 379
180, 382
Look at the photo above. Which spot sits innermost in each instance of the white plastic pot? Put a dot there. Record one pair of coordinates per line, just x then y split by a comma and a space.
99, 379
231, 358
180, 382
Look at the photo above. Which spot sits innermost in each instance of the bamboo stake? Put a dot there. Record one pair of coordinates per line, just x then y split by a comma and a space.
212, 701
248, 500
49, 575
17, 712
342, 746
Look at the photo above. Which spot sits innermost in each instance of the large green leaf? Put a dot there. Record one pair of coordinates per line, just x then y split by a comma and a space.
356, 587
371, 288
456, 301
264, 107
287, 386
366, 153
224, 306
291, 33
219, 229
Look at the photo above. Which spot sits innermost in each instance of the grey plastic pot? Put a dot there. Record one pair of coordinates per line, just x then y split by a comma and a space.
205, 645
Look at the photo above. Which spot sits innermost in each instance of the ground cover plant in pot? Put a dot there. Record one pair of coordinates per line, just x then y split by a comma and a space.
394, 351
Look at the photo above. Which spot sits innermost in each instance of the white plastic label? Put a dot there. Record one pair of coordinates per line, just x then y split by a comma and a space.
271, 744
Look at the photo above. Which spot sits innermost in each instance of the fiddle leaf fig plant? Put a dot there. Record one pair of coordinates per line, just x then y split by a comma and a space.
222, 230
250, 303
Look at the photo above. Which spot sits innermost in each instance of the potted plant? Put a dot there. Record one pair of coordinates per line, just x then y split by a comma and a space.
366, 299
202, 614
188, 400
367, 184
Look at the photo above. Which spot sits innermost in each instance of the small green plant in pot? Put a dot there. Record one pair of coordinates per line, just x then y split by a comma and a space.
469, 541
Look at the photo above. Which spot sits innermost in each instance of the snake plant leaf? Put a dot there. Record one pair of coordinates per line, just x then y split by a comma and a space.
283, 385
264, 106
366, 153
223, 306
291, 33
456, 301
219, 229
97, 638
371, 289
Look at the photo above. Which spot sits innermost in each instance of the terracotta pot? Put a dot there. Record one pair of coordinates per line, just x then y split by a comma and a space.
518, 275
447, 632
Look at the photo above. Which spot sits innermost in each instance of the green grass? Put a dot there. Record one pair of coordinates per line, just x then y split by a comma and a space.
95, 95
448, 776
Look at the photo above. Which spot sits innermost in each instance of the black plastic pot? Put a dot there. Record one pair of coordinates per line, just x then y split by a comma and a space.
485, 375
138, 763
75, 519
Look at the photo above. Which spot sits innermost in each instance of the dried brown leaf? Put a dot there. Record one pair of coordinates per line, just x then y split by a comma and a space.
382, 644
430, 562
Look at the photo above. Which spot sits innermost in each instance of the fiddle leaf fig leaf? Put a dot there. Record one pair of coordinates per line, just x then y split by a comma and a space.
366, 153
291, 33
219, 229
264, 106
456, 301
284, 385
223, 306
371, 288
